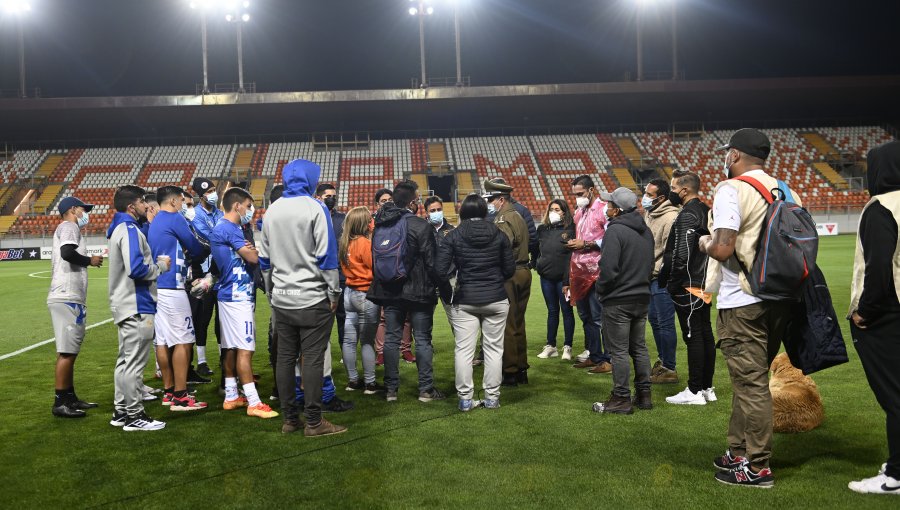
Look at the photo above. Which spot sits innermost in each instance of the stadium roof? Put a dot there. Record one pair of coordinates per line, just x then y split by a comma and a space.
605, 105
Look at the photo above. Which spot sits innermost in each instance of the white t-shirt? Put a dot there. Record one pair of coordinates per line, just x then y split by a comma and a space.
727, 214
68, 282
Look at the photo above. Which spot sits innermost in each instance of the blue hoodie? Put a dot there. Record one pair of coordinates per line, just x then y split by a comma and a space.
132, 270
298, 250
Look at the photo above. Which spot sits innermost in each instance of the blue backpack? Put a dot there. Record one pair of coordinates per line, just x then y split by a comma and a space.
389, 251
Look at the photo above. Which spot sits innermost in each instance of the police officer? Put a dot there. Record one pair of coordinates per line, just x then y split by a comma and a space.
518, 288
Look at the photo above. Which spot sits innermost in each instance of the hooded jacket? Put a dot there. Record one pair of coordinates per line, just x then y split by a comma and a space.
420, 285
660, 220
684, 265
876, 283
483, 259
627, 261
298, 250
554, 257
132, 270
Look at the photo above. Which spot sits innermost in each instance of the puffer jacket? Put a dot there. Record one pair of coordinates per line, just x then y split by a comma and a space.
553, 261
419, 287
484, 261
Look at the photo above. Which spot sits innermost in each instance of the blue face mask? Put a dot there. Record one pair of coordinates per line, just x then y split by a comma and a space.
83, 220
436, 217
647, 203
212, 198
492, 209
248, 216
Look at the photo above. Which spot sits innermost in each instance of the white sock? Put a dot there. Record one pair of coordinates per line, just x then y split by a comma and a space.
231, 392
251, 394
201, 354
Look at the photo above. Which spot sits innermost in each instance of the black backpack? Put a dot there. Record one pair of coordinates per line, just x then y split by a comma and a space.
389, 251
814, 340
787, 248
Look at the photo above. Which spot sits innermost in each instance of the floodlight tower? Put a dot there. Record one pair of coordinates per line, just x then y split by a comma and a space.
19, 9
204, 6
459, 82
238, 13
641, 6
421, 8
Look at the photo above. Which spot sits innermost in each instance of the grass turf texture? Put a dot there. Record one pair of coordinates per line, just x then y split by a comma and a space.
543, 448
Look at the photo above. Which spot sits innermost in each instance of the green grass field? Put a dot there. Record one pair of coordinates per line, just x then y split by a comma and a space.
543, 448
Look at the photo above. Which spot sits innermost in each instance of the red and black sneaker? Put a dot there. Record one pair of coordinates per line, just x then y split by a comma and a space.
744, 476
727, 462
186, 403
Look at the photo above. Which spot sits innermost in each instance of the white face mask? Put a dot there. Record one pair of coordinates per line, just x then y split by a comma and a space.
212, 198
188, 213
84, 219
248, 216
726, 167
492, 209
554, 217
582, 202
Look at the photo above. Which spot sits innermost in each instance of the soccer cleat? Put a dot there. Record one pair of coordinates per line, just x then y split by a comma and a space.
548, 352
467, 404
727, 462
373, 388
583, 356
195, 378
261, 410
118, 419
355, 385
67, 411
710, 394
186, 403
745, 477
409, 357
239, 402
324, 428
337, 405
687, 397
204, 370
391, 395
880, 484
567, 353
491, 403
167, 399
82, 405
142, 423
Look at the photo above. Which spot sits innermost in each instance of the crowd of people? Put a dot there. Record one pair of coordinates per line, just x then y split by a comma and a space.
618, 260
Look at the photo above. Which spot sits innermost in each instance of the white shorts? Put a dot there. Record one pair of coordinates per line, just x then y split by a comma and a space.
174, 322
238, 325
68, 326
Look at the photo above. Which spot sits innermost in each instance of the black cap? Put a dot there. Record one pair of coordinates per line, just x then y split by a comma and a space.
201, 185
752, 142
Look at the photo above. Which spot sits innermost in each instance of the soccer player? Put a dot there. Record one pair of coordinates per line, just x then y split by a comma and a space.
132, 300
236, 295
171, 236
66, 302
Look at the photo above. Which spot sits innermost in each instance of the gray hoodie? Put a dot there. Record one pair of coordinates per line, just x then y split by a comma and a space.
298, 247
132, 271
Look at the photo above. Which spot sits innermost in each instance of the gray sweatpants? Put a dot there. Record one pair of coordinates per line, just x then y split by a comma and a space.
467, 320
135, 343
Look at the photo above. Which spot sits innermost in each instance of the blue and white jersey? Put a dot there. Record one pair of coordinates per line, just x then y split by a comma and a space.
235, 282
204, 222
170, 235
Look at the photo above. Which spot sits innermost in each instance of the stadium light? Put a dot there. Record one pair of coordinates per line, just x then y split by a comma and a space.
641, 5
18, 9
204, 6
238, 13
421, 8
459, 82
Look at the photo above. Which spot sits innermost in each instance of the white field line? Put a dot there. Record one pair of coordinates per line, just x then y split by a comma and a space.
49, 340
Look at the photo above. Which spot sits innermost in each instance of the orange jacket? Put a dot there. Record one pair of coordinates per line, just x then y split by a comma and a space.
359, 271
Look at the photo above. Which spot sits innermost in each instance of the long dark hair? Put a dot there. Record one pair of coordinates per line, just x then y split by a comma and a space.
566, 214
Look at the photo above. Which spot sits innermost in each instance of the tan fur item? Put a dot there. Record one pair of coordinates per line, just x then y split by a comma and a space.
796, 403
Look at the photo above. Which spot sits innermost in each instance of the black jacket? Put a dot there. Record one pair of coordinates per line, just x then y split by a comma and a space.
337, 221
683, 247
419, 286
627, 261
445, 291
554, 258
484, 261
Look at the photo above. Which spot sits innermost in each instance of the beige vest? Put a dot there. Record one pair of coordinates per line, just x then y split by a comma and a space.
753, 212
891, 202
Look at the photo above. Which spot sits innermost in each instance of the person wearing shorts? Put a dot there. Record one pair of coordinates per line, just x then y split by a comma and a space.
236, 299
66, 302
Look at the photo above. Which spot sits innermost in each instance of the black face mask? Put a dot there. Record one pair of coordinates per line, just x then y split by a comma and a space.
675, 198
330, 202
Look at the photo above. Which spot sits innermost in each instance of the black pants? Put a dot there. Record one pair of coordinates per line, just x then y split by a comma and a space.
878, 347
340, 316
202, 312
696, 330
302, 333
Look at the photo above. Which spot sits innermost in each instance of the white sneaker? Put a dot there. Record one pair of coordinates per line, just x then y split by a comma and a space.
687, 397
567, 353
548, 352
583, 356
142, 422
881, 484
150, 389
710, 394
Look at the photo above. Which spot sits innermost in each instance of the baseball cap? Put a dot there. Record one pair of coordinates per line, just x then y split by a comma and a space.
749, 141
70, 202
623, 198
201, 185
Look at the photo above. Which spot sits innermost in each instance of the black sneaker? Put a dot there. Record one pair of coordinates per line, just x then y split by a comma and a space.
82, 405
510, 380
142, 423
391, 395
744, 476
373, 388
67, 411
337, 406
118, 419
356, 385
195, 378
522, 376
204, 370
727, 462
432, 394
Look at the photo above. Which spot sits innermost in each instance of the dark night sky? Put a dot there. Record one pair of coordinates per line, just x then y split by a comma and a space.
138, 47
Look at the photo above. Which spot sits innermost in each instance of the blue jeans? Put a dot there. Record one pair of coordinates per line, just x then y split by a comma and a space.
556, 302
590, 311
421, 318
662, 322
